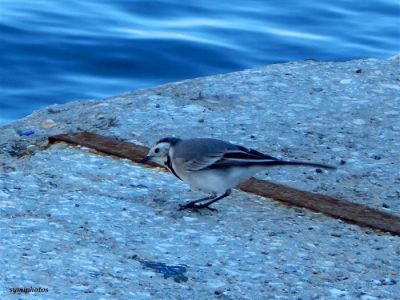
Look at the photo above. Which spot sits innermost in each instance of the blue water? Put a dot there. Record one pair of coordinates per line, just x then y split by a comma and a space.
53, 51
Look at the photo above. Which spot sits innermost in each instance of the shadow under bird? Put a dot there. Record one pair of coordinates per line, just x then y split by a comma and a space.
213, 166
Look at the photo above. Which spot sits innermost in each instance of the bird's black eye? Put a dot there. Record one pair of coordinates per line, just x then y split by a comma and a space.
157, 150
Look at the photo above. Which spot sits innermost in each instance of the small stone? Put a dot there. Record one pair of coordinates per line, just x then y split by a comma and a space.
4, 195
391, 86
280, 84
317, 89
368, 297
157, 105
285, 150
376, 282
345, 81
318, 170
342, 162
134, 134
200, 120
76, 205
196, 96
48, 123
337, 293
359, 122
193, 109
52, 110
388, 281
384, 205
358, 71
391, 113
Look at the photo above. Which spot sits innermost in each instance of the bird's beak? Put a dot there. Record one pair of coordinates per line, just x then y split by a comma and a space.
145, 159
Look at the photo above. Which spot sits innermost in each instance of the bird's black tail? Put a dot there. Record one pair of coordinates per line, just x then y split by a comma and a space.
295, 163
269, 162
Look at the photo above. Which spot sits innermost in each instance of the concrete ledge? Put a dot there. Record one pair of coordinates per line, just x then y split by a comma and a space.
84, 225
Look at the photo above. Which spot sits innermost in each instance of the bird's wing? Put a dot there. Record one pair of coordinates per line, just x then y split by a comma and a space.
229, 156
242, 156
203, 162
197, 154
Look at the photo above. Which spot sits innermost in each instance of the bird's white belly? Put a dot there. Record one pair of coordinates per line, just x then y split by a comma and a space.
218, 181
207, 181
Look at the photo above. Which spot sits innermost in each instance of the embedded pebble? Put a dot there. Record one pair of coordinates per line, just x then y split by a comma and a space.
359, 122
48, 123
391, 86
391, 113
279, 84
337, 293
368, 297
345, 81
193, 109
4, 194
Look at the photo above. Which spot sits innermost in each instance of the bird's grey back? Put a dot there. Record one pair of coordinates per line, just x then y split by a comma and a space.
201, 147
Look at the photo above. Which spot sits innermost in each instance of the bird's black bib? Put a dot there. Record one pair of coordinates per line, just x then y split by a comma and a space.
169, 166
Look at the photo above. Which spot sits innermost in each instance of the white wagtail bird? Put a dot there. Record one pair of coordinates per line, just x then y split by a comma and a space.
212, 165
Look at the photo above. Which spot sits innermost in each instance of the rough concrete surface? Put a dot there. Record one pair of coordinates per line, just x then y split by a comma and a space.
85, 225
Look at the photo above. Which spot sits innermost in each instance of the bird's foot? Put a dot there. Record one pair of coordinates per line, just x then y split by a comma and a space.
195, 207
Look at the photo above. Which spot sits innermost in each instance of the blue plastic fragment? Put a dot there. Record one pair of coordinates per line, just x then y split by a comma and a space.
26, 133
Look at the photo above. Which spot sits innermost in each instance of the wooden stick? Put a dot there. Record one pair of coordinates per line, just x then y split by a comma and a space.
338, 208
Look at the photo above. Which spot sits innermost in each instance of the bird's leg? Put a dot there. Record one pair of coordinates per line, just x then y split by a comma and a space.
191, 204
207, 204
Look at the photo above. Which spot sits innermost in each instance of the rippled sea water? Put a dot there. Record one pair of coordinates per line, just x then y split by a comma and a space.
56, 51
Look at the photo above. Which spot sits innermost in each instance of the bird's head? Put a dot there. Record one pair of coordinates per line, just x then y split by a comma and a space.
159, 152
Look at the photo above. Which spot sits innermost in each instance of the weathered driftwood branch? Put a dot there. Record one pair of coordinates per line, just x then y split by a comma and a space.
338, 208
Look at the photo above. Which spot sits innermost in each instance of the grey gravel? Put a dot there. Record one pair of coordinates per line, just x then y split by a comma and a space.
89, 226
